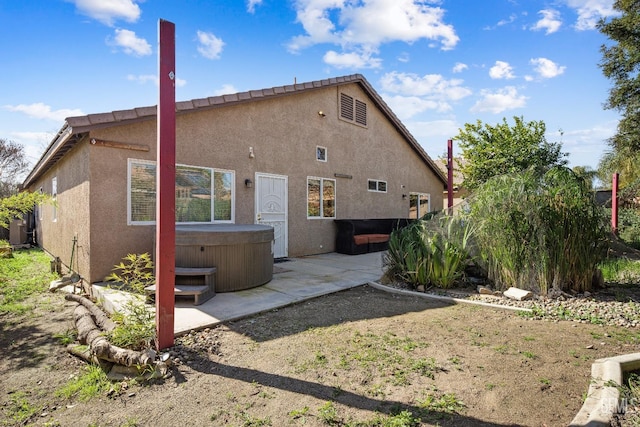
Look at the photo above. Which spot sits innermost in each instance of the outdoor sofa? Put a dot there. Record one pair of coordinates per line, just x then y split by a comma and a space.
360, 236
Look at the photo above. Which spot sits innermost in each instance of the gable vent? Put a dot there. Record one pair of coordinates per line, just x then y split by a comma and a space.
353, 110
361, 113
346, 107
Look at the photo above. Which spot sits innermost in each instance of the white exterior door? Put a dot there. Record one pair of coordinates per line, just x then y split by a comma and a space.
271, 209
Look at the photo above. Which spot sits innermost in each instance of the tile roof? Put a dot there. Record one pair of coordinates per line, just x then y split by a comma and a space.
75, 128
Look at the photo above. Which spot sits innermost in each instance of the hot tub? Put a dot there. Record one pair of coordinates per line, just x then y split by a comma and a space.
242, 253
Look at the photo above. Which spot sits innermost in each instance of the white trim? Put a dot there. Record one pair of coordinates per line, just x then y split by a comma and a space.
326, 153
131, 161
286, 206
54, 196
335, 197
419, 194
378, 182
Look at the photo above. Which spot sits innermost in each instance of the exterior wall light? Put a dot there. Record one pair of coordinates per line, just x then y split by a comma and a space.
248, 183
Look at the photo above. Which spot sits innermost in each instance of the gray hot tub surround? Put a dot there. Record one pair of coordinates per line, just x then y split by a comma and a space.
242, 253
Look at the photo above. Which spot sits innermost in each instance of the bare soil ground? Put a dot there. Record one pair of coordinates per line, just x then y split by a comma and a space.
357, 356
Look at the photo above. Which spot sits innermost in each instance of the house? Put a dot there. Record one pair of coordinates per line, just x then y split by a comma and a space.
295, 157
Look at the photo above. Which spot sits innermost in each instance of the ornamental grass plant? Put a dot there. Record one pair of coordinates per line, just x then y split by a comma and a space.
538, 231
429, 252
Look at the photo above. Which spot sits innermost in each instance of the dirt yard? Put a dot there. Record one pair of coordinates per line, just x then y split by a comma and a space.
352, 358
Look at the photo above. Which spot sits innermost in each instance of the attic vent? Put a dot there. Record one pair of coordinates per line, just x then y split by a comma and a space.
353, 110
361, 113
346, 107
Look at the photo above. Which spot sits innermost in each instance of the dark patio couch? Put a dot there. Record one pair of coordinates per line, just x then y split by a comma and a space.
360, 236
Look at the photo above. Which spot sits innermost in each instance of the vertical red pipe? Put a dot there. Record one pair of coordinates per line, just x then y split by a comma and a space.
166, 187
614, 203
450, 173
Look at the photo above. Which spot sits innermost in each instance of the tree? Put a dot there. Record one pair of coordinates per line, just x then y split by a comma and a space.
12, 164
14, 206
587, 174
503, 149
621, 64
623, 160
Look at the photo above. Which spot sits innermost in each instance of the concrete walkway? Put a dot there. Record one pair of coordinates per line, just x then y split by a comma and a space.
293, 281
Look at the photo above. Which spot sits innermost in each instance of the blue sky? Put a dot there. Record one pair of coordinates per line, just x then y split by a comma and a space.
439, 64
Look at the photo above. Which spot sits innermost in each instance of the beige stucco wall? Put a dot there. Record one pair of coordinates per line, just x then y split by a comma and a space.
283, 133
73, 208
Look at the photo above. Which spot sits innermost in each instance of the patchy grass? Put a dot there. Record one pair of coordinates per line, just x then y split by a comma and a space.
19, 410
92, 382
22, 276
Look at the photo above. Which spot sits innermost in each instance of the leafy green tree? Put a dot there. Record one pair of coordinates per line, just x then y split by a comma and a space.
623, 160
621, 64
505, 149
587, 174
12, 164
15, 206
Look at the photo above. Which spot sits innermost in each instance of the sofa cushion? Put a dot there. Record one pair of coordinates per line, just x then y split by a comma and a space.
361, 239
378, 238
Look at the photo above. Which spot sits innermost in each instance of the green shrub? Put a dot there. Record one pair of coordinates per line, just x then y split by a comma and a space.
539, 232
428, 252
134, 273
136, 328
629, 226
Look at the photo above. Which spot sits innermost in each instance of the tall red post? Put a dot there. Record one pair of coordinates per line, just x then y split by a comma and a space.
166, 187
450, 173
614, 203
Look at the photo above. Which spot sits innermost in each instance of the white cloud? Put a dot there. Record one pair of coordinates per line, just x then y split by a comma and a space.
546, 68
501, 70
433, 135
108, 11
406, 107
351, 60
409, 84
410, 94
34, 143
251, 5
586, 145
40, 110
459, 67
209, 46
550, 21
501, 100
502, 22
153, 78
590, 11
225, 90
131, 44
404, 57
364, 26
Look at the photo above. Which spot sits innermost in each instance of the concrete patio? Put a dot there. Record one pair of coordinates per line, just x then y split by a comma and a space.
295, 280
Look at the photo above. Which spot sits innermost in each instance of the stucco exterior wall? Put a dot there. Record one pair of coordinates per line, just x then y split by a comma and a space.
72, 210
283, 133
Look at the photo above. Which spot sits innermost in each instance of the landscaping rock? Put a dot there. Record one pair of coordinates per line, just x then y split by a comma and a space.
485, 290
518, 294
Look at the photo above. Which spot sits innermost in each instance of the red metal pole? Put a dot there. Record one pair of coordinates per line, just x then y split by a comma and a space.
614, 203
450, 173
166, 187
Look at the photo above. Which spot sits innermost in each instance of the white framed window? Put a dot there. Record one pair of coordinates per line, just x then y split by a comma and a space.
377, 186
54, 197
321, 154
203, 195
40, 210
419, 205
321, 197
